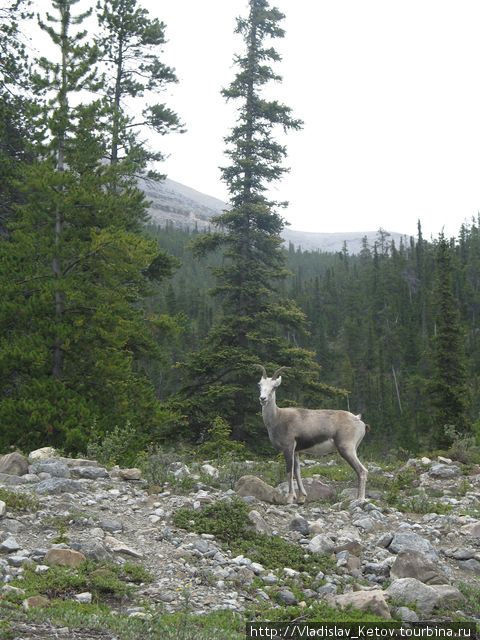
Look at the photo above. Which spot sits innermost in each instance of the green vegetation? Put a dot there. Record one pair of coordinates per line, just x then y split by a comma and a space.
104, 580
16, 501
227, 520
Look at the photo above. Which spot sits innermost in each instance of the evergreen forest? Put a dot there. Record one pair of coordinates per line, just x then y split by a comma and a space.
110, 324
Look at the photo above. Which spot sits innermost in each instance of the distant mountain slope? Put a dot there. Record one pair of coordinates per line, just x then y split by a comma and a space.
184, 207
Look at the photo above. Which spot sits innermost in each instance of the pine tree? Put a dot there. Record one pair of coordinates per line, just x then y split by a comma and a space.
129, 47
257, 325
73, 273
448, 385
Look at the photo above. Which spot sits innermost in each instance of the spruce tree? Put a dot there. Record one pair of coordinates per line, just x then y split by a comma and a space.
258, 325
448, 384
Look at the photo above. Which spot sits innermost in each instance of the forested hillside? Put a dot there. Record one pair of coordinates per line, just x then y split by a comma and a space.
108, 323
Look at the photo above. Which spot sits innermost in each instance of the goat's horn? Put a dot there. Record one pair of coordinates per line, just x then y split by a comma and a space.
260, 366
278, 372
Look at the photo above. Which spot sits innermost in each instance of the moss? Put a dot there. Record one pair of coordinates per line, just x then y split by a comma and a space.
225, 519
316, 612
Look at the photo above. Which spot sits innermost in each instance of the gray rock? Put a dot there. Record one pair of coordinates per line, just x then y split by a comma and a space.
373, 601
425, 597
377, 568
270, 579
41, 454
365, 523
202, 546
12, 526
10, 479
470, 565
406, 615
407, 541
83, 598
111, 526
92, 549
10, 545
55, 486
3, 508
327, 589
89, 473
55, 468
444, 471
285, 596
258, 523
415, 564
253, 486
14, 464
384, 540
300, 524
321, 544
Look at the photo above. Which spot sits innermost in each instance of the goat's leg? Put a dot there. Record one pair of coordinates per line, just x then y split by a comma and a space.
350, 455
301, 488
290, 463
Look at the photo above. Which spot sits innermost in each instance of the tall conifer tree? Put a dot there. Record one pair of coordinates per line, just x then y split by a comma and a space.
258, 325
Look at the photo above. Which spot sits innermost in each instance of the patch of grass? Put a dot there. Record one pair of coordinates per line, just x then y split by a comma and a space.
61, 524
228, 522
19, 501
316, 612
183, 625
134, 573
225, 519
335, 473
471, 591
421, 504
104, 581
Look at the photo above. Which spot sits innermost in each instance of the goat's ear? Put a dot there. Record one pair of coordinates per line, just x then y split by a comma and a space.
277, 382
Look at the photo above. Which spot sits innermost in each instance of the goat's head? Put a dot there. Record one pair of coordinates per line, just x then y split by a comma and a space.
268, 385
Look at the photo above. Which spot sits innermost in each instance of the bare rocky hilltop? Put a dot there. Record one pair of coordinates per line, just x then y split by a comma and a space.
92, 552
184, 207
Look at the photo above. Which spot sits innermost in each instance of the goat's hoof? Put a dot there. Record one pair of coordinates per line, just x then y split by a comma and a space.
290, 499
301, 499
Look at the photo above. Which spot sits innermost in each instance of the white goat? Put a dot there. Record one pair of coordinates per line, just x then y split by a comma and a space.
320, 430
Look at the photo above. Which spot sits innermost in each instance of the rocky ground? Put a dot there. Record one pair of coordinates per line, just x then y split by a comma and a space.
75, 536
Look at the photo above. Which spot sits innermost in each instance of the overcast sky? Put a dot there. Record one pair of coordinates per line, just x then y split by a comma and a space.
389, 91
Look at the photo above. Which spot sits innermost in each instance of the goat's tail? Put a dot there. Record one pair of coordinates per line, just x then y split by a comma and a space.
367, 426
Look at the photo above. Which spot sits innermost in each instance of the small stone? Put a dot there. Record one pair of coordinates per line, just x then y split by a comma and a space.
10, 545
406, 615
64, 558
210, 471
384, 540
89, 473
83, 598
373, 601
470, 565
253, 486
300, 524
15, 590
286, 597
113, 526
117, 546
444, 460
270, 579
472, 529
3, 508
425, 460
35, 602
14, 464
321, 544
130, 474
154, 519
257, 568
415, 564
258, 523
179, 470
366, 523
42, 568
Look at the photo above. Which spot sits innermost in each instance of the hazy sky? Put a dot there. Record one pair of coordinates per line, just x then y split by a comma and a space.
389, 91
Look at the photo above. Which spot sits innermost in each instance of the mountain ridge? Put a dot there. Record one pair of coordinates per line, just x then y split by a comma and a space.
172, 202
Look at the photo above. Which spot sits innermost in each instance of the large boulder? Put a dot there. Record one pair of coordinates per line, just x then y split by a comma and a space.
426, 598
14, 464
444, 471
472, 529
316, 490
55, 486
41, 454
89, 473
253, 486
368, 601
408, 541
55, 468
321, 544
415, 564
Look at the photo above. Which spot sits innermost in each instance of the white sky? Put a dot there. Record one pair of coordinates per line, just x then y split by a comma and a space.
389, 91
